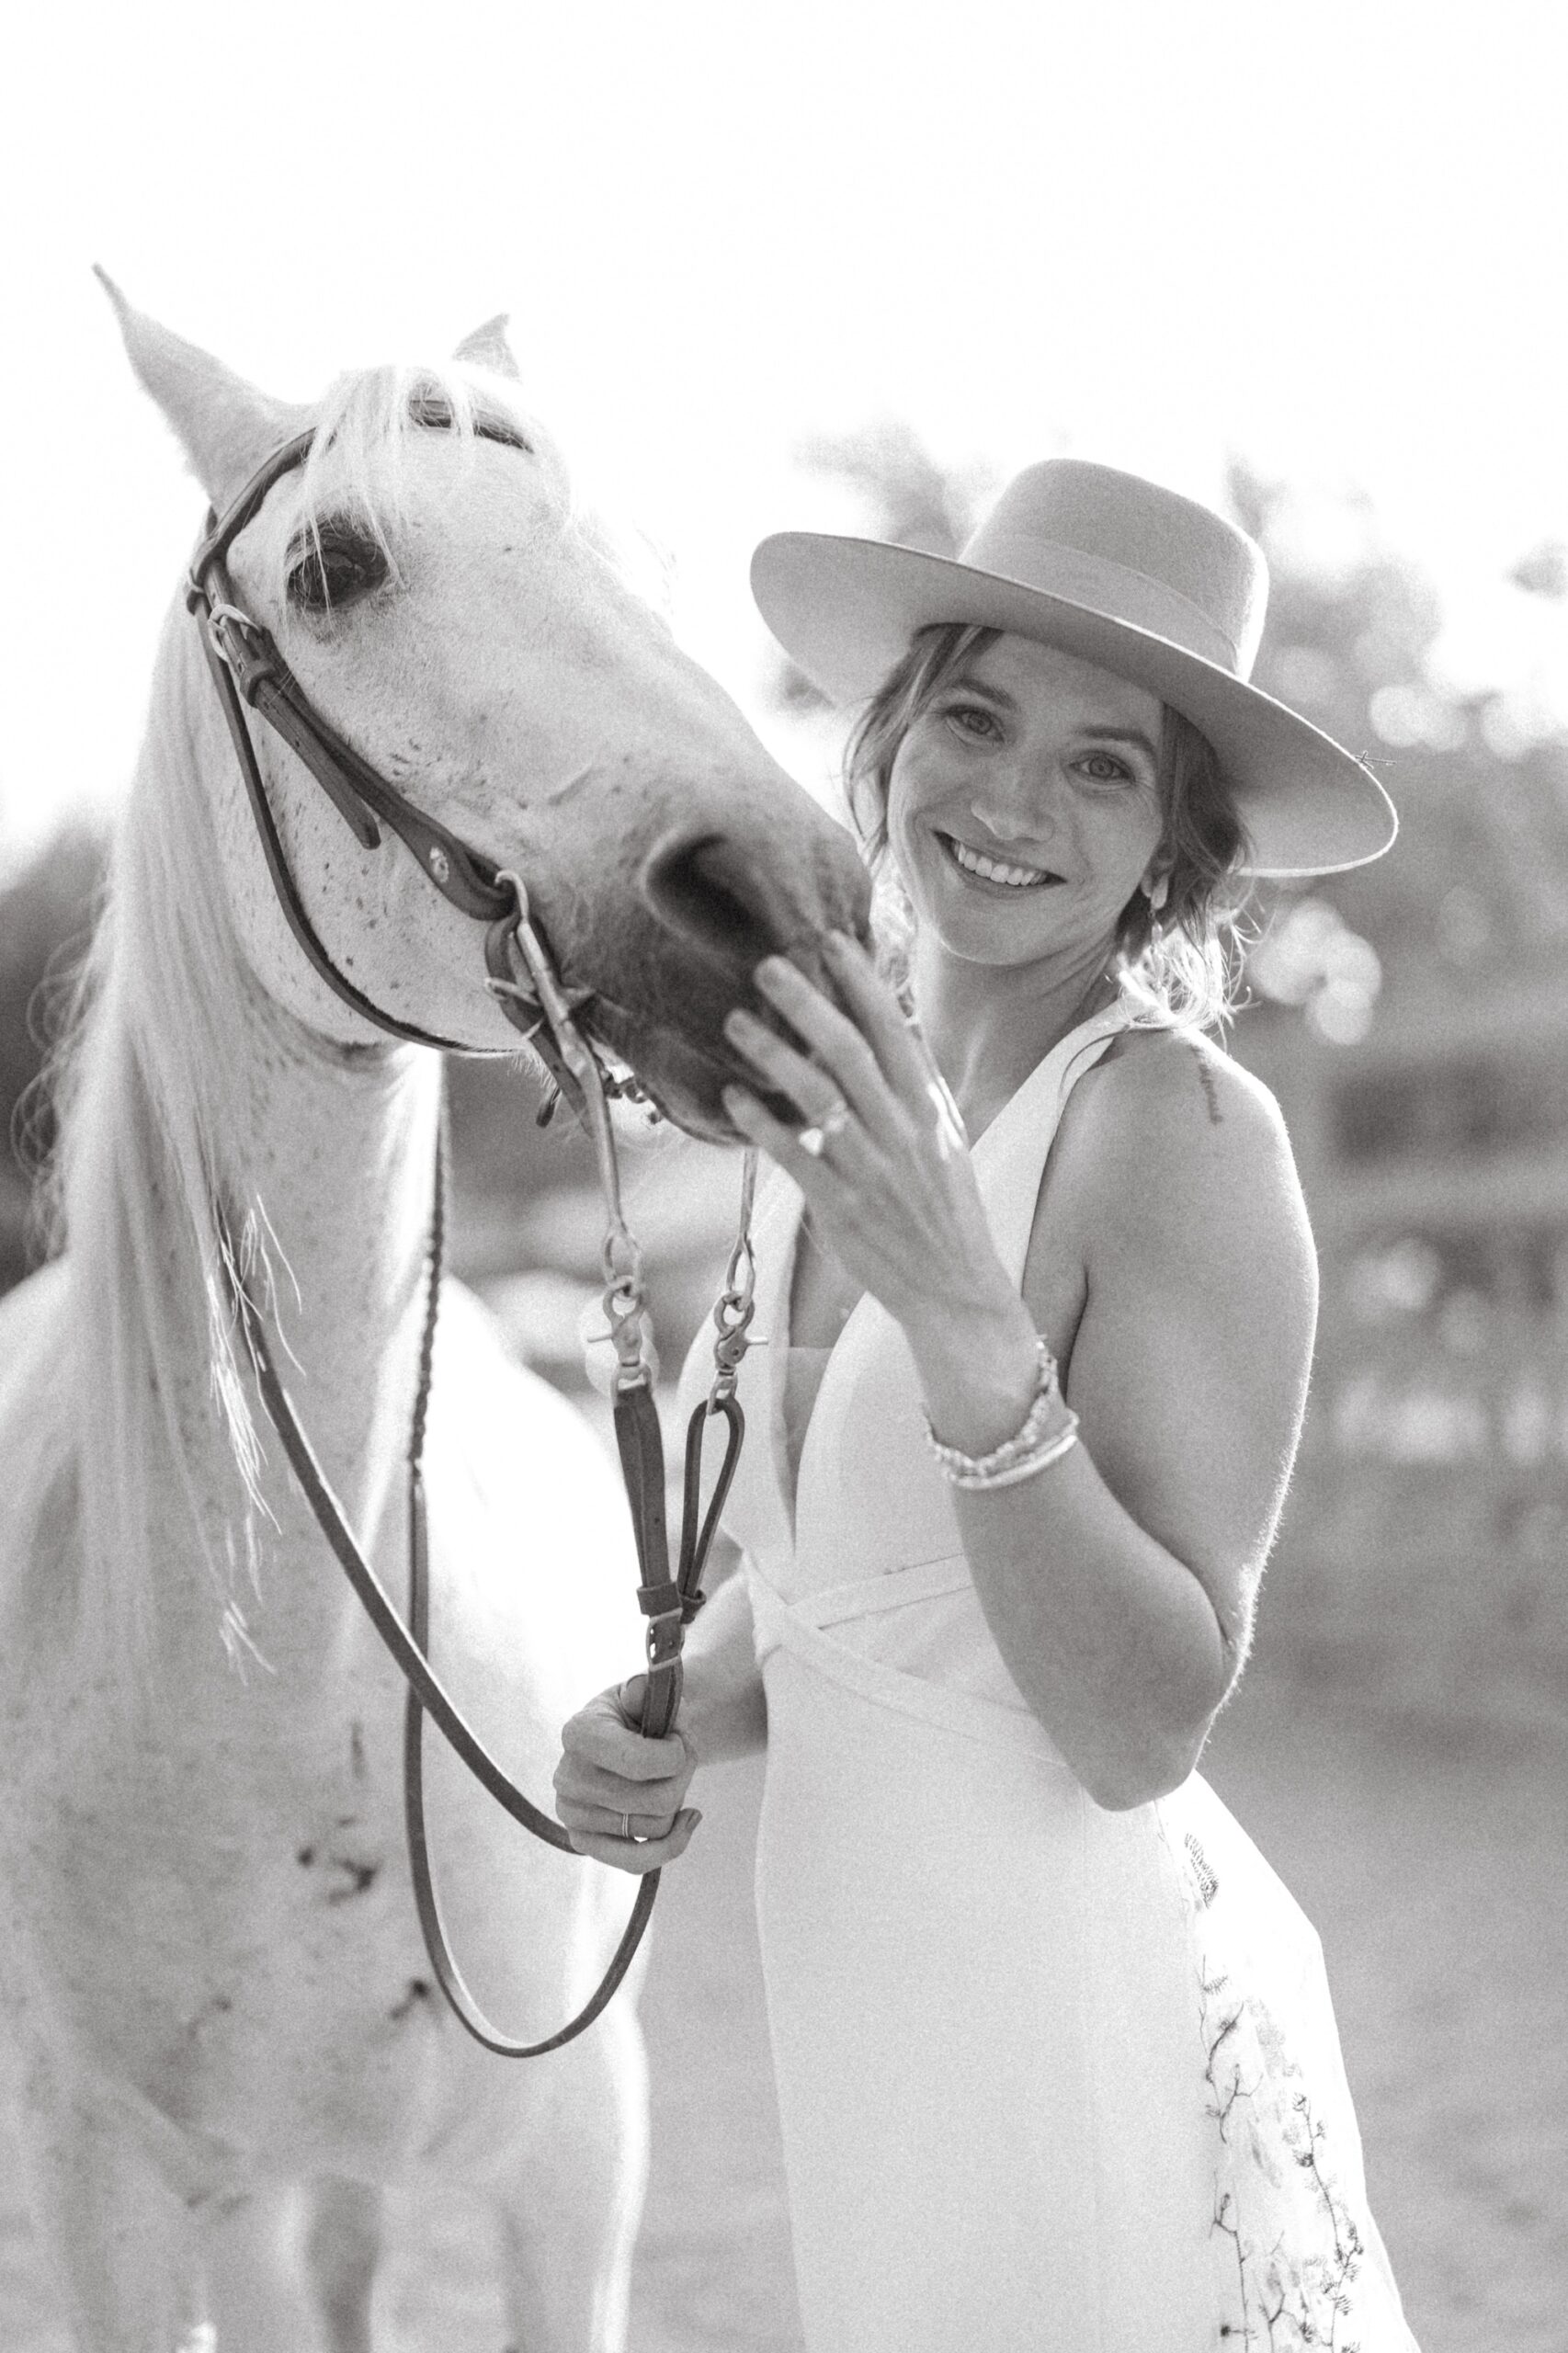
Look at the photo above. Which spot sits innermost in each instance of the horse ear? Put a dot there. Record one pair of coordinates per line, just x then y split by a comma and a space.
487, 348
225, 427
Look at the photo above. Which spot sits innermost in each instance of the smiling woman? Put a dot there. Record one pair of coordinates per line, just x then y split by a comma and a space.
1056, 2061
1171, 943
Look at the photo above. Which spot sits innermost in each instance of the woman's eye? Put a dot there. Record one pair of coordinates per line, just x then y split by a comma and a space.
972, 719
335, 569
1101, 768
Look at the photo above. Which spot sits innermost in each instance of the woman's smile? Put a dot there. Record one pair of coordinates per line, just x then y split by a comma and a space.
988, 870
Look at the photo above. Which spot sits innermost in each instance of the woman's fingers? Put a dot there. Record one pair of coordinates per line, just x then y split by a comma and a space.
836, 1046
889, 1079
758, 1126
613, 1787
907, 1060
876, 1058
899, 1050
610, 1822
652, 1854
789, 1072
580, 1782
605, 1733
824, 1097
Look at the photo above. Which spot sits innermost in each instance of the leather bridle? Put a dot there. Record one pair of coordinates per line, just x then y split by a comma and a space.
250, 673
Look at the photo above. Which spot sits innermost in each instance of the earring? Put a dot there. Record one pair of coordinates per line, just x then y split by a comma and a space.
1157, 894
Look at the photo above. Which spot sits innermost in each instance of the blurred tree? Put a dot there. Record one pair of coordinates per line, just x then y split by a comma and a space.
1480, 880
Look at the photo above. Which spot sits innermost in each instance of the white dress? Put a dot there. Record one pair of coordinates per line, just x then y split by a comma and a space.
1048, 2077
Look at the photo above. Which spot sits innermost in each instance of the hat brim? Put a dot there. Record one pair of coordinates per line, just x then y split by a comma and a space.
846, 610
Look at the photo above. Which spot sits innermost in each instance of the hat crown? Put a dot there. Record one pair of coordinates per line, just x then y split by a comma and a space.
1133, 550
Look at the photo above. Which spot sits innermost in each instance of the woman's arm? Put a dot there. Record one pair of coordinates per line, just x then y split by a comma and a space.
1118, 1583
723, 1707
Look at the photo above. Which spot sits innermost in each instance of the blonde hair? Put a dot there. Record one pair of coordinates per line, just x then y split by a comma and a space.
1180, 965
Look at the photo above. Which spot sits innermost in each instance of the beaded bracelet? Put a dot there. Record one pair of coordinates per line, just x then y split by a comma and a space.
1048, 1431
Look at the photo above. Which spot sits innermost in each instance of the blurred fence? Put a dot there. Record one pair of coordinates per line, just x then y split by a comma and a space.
1424, 1557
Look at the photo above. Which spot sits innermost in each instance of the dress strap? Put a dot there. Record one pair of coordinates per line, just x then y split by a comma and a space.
1010, 1157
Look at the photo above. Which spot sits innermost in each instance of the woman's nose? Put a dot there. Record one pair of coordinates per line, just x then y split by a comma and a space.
1017, 799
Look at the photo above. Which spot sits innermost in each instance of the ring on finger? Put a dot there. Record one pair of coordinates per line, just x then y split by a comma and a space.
659, 1826
816, 1139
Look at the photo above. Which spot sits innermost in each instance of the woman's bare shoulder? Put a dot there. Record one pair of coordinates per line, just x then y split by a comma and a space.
1172, 1082
1169, 1131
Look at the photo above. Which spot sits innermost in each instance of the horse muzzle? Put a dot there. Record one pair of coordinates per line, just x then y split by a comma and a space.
722, 901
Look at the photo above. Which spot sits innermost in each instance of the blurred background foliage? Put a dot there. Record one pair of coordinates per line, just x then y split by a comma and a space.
1413, 1019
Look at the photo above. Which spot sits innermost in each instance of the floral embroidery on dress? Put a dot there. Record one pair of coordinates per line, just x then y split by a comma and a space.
1296, 2247
1294, 2250
1208, 1885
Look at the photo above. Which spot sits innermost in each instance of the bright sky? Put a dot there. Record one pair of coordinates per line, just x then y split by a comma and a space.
1333, 236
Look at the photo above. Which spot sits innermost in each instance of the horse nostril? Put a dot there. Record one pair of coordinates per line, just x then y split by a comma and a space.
710, 891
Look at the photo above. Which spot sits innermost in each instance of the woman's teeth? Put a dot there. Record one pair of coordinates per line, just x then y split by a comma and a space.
992, 869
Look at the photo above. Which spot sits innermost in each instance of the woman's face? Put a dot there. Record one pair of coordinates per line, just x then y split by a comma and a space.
1024, 805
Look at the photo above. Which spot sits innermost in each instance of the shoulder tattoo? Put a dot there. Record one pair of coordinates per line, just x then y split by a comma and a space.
1210, 1092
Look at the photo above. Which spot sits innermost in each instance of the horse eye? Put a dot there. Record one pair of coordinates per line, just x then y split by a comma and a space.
335, 566
433, 413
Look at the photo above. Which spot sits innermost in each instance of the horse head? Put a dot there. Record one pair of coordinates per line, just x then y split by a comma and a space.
454, 615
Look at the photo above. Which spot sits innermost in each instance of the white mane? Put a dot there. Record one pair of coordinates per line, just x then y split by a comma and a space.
150, 1088
145, 1090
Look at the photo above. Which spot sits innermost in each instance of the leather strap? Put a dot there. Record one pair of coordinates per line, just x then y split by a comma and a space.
696, 1538
641, 1454
248, 670
380, 1607
669, 1604
283, 882
264, 680
448, 1976
409, 1646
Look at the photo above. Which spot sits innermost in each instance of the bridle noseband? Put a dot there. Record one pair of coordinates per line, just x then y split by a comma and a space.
250, 673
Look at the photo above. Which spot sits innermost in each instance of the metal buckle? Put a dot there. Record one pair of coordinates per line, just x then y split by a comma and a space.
664, 1638
222, 617
736, 1303
625, 1294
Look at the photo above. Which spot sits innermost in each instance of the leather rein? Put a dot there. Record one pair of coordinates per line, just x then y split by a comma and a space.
250, 673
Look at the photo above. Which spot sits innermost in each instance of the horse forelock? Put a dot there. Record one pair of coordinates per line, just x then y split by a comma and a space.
368, 431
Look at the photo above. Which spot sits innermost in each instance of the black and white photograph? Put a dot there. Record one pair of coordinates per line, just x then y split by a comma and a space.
784, 1186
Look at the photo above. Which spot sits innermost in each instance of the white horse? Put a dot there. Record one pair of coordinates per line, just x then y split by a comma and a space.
225, 2037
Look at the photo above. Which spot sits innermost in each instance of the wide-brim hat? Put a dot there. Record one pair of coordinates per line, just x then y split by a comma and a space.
1120, 573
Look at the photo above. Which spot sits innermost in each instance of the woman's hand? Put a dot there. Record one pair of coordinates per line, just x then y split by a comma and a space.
620, 1794
892, 1189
